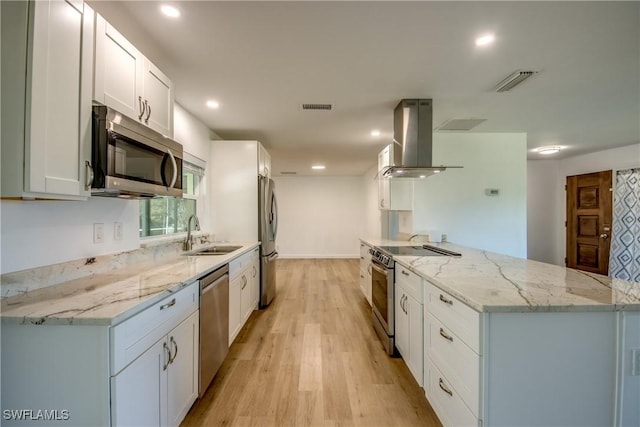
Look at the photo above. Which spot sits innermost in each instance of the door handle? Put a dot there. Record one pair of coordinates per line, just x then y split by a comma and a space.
604, 236
89, 175
175, 169
148, 106
142, 108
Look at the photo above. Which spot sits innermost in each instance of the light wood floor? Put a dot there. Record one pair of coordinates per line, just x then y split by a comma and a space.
312, 358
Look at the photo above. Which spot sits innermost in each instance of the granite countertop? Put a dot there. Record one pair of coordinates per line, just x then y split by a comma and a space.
491, 282
109, 298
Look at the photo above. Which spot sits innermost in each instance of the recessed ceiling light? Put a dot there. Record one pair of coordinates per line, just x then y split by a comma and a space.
318, 167
485, 40
375, 133
170, 11
551, 149
213, 104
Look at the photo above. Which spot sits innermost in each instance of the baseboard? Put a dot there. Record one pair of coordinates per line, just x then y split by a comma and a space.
318, 256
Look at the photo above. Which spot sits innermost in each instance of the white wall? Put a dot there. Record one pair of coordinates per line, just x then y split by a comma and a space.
454, 202
543, 212
549, 228
320, 217
38, 233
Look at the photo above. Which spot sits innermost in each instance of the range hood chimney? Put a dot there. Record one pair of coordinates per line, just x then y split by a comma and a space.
413, 141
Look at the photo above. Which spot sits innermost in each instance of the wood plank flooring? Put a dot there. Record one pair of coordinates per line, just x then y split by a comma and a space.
312, 359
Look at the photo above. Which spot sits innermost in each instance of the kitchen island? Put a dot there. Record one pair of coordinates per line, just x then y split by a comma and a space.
509, 341
119, 347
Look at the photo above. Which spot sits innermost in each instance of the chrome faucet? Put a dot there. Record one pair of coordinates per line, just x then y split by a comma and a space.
188, 243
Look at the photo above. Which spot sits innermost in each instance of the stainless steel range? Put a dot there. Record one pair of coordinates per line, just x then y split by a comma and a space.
382, 286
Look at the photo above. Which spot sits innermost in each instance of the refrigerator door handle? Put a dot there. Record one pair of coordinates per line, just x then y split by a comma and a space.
272, 257
274, 215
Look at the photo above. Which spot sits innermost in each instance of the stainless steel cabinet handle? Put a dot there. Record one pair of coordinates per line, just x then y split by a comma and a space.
165, 351
244, 281
445, 389
89, 177
445, 300
172, 358
445, 335
141, 107
148, 107
404, 273
169, 304
255, 271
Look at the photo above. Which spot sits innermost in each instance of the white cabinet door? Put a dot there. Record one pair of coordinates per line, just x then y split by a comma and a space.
383, 184
182, 372
415, 338
235, 315
264, 162
119, 71
158, 98
138, 393
394, 194
402, 322
51, 137
246, 297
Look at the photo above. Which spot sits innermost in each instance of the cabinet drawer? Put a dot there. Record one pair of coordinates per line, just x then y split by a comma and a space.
455, 359
444, 399
460, 319
411, 282
237, 265
135, 335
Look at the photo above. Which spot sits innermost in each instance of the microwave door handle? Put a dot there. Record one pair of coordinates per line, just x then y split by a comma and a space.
175, 169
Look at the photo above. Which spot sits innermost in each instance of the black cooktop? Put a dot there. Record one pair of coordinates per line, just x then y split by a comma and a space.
424, 250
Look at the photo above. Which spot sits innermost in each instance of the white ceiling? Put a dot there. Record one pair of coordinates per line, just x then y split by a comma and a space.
262, 60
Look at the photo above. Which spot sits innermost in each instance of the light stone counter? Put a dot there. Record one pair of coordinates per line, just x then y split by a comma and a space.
490, 282
110, 297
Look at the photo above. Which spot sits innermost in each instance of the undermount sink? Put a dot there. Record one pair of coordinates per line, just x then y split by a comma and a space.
214, 250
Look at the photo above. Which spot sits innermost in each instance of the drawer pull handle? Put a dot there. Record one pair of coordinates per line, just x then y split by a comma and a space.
445, 300
405, 273
445, 389
169, 304
445, 335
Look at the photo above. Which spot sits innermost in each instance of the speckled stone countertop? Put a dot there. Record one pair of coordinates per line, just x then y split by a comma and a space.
109, 298
491, 282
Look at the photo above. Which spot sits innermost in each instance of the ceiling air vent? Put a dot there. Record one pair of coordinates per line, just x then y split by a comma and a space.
514, 80
317, 106
288, 173
460, 124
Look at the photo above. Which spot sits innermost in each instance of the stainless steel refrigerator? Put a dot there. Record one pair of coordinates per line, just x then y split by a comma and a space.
268, 229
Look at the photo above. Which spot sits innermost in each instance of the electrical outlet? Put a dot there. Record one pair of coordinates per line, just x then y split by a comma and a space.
444, 237
117, 231
98, 232
635, 362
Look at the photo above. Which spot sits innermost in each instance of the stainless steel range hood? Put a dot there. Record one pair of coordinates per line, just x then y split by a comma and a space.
413, 141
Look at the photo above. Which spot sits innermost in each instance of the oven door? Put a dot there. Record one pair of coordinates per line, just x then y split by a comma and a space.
382, 296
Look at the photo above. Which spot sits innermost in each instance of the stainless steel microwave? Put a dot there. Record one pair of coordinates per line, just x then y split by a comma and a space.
130, 160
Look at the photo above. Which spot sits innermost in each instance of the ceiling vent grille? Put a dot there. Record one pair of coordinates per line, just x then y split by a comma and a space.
288, 173
513, 80
317, 107
460, 124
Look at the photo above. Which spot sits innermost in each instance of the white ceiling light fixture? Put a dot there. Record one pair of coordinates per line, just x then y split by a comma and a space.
485, 40
170, 11
213, 104
375, 133
550, 149
318, 167
513, 80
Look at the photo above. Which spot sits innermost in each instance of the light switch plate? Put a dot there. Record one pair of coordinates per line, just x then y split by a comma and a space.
98, 232
117, 231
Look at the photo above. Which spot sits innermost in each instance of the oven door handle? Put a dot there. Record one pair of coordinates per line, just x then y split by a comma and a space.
175, 169
379, 267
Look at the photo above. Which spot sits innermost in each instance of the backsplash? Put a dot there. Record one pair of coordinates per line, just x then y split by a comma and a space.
20, 282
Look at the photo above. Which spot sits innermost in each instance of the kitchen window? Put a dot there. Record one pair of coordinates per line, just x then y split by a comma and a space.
162, 216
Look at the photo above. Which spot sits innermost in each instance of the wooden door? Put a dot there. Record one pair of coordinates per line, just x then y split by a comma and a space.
589, 221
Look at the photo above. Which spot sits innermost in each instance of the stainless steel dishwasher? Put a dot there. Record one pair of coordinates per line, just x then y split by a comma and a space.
214, 324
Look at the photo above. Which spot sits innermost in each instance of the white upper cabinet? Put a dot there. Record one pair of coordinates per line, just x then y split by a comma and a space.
47, 52
393, 193
264, 162
128, 82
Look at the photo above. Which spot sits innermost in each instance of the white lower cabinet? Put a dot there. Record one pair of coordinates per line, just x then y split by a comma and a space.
244, 283
522, 368
365, 271
408, 318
